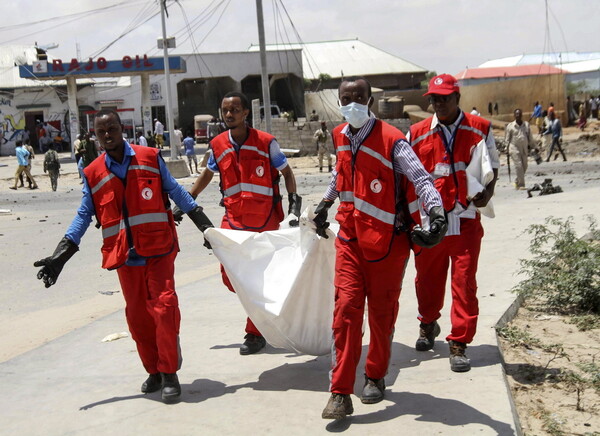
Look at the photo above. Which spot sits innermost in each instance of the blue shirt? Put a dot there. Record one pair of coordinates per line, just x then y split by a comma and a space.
537, 111
278, 159
189, 144
86, 210
22, 156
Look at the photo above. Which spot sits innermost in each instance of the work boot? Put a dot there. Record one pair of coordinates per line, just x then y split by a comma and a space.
373, 390
427, 335
252, 344
458, 360
171, 389
152, 383
338, 406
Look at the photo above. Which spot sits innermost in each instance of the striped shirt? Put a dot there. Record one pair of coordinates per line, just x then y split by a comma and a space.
405, 162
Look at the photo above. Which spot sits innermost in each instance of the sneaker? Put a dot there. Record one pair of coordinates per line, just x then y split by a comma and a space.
152, 383
427, 335
171, 389
458, 360
338, 406
252, 344
373, 390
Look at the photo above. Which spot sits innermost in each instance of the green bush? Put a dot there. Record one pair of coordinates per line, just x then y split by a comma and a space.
564, 272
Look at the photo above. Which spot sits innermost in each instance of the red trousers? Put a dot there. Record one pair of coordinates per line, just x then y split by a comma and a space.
152, 312
272, 224
357, 280
462, 251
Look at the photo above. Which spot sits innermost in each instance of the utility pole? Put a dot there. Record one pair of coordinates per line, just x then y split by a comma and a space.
264, 76
174, 140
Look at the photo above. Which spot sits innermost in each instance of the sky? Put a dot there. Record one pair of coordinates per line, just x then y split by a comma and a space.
438, 35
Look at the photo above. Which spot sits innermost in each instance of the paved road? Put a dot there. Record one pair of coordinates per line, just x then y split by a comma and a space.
74, 384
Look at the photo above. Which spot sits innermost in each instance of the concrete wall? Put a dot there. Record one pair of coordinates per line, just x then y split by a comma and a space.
516, 93
290, 135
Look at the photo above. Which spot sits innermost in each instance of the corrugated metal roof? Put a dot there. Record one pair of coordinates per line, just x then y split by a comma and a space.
583, 66
556, 59
516, 71
350, 57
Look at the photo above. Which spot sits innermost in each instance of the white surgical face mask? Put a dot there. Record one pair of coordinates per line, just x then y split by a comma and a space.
356, 114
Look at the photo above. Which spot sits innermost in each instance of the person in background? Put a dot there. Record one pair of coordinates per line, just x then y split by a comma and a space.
555, 129
520, 141
127, 189
159, 132
141, 139
321, 136
150, 139
188, 145
52, 166
374, 166
31, 156
536, 116
474, 111
22, 161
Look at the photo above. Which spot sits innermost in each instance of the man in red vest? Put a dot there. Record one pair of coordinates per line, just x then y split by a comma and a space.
444, 143
374, 167
249, 162
127, 189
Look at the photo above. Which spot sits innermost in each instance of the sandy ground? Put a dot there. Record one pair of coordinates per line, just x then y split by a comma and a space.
544, 398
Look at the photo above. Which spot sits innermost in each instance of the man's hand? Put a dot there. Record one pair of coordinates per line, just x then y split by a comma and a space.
201, 221
177, 215
438, 227
53, 265
482, 198
295, 207
320, 219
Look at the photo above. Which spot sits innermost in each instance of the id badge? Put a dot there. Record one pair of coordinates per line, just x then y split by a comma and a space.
441, 170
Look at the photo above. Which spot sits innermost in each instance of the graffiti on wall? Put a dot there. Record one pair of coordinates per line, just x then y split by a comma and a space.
10, 128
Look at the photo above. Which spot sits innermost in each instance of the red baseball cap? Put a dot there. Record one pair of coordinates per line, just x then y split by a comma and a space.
444, 84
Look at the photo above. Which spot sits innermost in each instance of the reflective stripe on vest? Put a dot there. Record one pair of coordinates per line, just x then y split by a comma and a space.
247, 187
413, 206
226, 152
254, 149
375, 212
159, 217
423, 136
143, 168
346, 196
377, 156
474, 130
101, 183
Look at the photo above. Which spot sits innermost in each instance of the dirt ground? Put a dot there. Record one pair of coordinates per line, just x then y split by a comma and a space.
547, 398
549, 348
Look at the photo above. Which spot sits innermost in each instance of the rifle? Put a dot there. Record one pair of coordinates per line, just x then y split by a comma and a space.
507, 142
508, 163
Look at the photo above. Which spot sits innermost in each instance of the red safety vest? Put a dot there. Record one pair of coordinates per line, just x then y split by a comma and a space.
367, 188
429, 146
249, 183
146, 223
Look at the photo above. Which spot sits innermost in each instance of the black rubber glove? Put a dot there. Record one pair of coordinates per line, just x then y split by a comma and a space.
438, 227
53, 265
295, 207
201, 221
320, 219
177, 215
